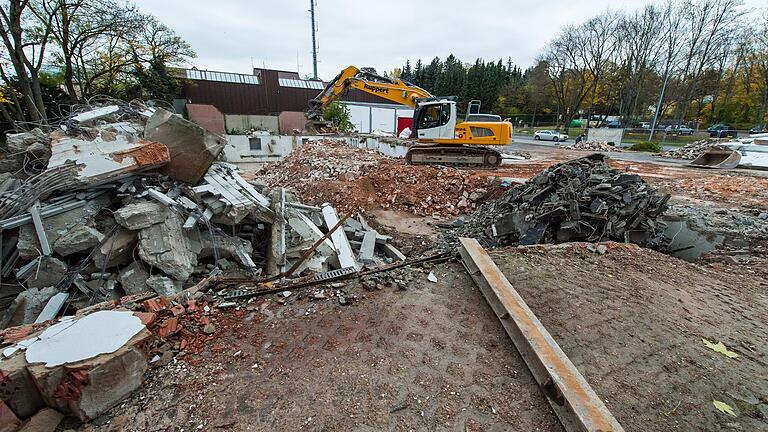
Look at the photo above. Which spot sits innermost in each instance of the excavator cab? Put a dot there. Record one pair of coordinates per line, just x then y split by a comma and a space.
434, 118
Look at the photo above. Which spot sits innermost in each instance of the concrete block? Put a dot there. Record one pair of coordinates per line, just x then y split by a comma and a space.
133, 278
8, 421
49, 273
46, 420
367, 247
163, 285
116, 250
88, 388
167, 247
141, 214
79, 238
392, 252
17, 389
57, 226
192, 148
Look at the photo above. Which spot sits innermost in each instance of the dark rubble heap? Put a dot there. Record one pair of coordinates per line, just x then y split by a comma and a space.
579, 200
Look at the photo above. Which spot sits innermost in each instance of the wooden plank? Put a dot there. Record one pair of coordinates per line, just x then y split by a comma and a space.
574, 401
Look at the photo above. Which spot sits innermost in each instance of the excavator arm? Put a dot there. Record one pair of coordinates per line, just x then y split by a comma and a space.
392, 89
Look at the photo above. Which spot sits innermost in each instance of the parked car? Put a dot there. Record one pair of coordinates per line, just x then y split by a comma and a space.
645, 125
678, 130
550, 135
759, 129
613, 124
722, 130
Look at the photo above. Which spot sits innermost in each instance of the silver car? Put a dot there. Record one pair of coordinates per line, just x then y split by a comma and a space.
549, 135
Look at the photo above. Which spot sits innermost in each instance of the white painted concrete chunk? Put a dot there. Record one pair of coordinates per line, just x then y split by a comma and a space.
74, 340
339, 238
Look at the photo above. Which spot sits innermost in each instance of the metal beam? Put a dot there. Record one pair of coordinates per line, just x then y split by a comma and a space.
42, 237
576, 404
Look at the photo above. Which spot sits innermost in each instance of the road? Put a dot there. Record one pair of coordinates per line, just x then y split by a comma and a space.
520, 143
528, 139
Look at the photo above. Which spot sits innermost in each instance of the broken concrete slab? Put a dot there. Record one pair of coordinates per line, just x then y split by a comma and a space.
116, 250
133, 278
8, 421
79, 238
19, 390
192, 149
367, 248
88, 388
305, 228
167, 247
46, 420
164, 285
392, 252
49, 272
107, 156
339, 238
141, 214
26, 307
225, 246
57, 225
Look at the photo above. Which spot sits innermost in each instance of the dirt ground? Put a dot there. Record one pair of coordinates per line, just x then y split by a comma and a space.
633, 320
432, 357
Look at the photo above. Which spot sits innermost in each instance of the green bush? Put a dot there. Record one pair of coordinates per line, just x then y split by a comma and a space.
338, 114
645, 146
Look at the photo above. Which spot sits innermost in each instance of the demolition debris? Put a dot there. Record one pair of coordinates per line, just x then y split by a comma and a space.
578, 200
329, 171
599, 146
126, 200
693, 150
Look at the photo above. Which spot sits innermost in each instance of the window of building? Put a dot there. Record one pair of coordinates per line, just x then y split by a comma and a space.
255, 143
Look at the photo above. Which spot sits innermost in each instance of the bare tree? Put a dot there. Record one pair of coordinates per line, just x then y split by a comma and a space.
708, 24
81, 29
25, 31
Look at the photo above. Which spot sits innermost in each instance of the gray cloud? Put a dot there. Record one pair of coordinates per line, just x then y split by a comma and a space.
228, 35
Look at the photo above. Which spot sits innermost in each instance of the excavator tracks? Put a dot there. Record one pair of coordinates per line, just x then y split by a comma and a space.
460, 156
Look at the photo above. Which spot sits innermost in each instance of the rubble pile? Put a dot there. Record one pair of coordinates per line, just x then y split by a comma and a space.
582, 199
131, 200
601, 146
124, 206
353, 178
691, 151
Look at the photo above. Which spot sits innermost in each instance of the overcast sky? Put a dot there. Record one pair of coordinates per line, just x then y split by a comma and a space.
233, 35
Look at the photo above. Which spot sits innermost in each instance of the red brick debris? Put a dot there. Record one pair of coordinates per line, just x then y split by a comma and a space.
353, 178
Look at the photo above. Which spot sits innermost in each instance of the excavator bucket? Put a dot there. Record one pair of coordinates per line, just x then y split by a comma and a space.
718, 157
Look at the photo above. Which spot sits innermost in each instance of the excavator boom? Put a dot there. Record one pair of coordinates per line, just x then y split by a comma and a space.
392, 89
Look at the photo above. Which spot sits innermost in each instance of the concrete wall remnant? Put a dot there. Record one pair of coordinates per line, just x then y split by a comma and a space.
244, 122
207, 116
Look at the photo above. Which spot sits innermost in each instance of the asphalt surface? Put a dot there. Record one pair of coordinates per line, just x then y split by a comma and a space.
529, 144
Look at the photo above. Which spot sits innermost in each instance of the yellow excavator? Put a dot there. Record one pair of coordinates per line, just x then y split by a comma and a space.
441, 138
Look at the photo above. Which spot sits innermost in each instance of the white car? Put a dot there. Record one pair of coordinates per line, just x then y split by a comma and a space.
550, 135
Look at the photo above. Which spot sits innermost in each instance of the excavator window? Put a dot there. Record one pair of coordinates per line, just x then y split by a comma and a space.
431, 117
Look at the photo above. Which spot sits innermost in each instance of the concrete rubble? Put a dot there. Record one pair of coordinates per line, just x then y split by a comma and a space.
599, 146
692, 150
579, 200
125, 202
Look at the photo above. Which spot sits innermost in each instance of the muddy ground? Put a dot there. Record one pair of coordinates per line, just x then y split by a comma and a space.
633, 320
433, 357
